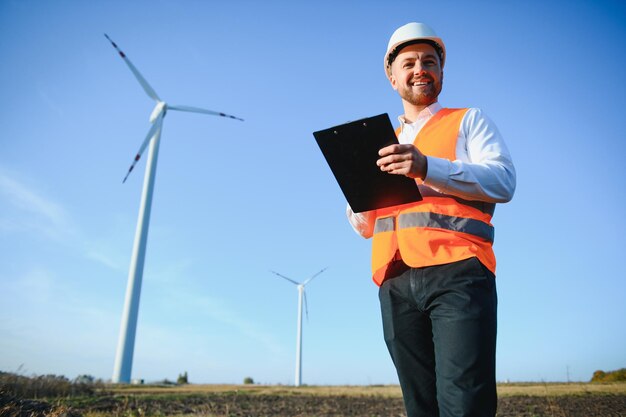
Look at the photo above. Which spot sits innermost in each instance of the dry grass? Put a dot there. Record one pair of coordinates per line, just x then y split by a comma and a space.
558, 389
319, 390
45, 386
391, 391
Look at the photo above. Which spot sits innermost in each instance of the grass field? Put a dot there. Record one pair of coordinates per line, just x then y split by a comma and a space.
393, 391
515, 400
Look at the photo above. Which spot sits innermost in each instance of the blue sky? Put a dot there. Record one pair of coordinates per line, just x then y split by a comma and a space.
235, 200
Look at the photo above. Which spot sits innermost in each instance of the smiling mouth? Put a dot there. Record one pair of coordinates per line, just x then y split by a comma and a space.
421, 83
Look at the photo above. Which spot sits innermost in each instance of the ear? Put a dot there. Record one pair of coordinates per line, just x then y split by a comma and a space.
394, 82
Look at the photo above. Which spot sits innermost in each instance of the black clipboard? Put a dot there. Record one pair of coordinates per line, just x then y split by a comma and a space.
351, 151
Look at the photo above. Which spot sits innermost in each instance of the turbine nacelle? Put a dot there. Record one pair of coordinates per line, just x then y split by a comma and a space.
161, 107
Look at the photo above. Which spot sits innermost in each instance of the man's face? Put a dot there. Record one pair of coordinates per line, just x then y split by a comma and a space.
417, 75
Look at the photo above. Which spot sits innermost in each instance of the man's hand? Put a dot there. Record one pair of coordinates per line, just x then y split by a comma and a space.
403, 159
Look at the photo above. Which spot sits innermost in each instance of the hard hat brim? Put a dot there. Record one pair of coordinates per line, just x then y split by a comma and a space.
436, 43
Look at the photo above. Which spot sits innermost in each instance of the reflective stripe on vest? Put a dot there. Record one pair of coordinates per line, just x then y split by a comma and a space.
441, 221
437, 221
385, 224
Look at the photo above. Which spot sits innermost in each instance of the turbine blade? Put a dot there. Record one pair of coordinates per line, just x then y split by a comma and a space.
147, 88
199, 110
306, 307
156, 126
282, 276
310, 279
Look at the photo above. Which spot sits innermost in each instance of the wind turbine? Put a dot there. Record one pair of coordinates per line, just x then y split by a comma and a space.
301, 295
126, 343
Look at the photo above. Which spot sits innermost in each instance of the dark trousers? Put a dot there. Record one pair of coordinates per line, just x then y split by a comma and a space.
440, 328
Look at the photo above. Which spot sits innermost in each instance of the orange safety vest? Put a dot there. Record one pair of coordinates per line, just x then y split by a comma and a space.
440, 228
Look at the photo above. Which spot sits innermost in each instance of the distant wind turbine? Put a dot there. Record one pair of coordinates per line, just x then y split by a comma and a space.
301, 295
126, 343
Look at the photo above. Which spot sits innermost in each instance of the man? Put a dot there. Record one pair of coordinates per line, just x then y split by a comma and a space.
433, 259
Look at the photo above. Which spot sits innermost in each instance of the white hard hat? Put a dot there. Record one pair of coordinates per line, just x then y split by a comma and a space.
409, 34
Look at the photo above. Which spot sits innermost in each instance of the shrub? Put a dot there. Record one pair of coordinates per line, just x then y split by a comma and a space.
85, 379
612, 376
47, 386
248, 380
598, 376
182, 379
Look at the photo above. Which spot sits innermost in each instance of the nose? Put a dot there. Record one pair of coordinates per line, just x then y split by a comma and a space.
418, 69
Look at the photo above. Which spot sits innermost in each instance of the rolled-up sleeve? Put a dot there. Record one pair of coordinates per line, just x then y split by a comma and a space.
362, 223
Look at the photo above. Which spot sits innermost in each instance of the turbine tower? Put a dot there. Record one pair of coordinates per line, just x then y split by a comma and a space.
301, 296
126, 343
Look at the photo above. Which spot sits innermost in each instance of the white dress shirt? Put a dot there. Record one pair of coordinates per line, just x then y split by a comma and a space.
483, 169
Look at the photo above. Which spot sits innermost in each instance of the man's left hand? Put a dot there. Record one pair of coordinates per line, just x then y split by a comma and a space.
403, 159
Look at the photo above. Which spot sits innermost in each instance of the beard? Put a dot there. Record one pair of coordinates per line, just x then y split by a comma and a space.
425, 97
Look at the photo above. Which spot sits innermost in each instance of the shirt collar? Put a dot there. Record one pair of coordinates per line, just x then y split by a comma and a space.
426, 113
